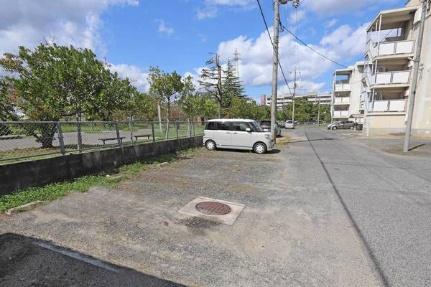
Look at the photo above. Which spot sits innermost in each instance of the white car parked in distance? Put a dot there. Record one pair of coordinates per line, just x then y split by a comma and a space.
240, 134
289, 124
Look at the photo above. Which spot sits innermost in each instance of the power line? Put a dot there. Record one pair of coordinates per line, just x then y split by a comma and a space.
272, 43
311, 48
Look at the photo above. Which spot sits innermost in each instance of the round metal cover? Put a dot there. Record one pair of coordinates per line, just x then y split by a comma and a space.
213, 208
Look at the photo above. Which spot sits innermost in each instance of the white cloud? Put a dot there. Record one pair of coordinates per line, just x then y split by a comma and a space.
136, 75
297, 16
165, 28
337, 7
346, 41
75, 22
210, 7
256, 56
331, 23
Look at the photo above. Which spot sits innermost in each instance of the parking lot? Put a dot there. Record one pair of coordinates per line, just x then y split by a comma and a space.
326, 210
289, 234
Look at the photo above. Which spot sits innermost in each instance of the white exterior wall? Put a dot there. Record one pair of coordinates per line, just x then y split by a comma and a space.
356, 89
422, 111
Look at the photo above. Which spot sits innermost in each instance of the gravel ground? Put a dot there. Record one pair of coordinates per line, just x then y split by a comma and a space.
292, 232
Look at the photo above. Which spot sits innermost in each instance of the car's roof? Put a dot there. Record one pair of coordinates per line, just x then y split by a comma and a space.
231, 120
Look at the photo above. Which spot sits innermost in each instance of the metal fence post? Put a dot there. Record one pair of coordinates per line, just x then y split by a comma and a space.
131, 129
190, 128
194, 131
177, 125
78, 127
117, 130
152, 131
61, 138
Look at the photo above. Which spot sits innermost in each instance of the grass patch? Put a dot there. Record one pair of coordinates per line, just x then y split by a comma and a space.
83, 184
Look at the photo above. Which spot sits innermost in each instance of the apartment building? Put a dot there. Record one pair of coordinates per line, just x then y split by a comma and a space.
388, 68
284, 100
346, 96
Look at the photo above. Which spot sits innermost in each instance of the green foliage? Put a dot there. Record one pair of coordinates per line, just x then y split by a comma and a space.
165, 87
221, 84
6, 104
248, 109
231, 86
305, 111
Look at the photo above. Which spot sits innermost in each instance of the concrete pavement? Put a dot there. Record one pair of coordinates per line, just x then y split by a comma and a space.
388, 198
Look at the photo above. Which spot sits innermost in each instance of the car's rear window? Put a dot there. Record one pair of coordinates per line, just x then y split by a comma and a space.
218, 126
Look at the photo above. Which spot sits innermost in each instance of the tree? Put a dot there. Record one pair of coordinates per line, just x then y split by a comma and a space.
54, 82
190, 101
231, 86
222, 84
211, 81
7, 111
306, 111
209, 107
165, 87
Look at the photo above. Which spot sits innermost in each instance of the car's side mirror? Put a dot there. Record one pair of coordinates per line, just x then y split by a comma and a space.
248, 130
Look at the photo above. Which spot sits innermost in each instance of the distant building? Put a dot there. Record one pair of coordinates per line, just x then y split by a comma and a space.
262, 100
346, 96
285, 99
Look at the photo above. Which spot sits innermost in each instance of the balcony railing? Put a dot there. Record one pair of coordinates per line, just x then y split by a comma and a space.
391, 48
342, 87
388, 106
342, 101
389, 78
341, 114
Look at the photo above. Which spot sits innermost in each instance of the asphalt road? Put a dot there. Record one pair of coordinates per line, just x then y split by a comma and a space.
387, 198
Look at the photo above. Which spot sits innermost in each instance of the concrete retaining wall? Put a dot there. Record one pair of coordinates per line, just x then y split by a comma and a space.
44, 171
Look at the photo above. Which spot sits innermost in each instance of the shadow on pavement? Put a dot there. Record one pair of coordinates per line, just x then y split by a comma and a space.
25, 261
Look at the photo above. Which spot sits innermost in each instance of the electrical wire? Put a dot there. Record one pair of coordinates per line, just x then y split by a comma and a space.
311, 48
273, 46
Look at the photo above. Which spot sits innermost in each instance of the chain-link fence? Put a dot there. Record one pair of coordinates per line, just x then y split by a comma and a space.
24, 139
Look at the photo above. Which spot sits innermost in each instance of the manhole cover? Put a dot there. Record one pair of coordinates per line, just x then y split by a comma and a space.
213, 208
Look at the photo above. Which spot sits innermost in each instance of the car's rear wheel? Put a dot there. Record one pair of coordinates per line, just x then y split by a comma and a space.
210, 145
260, 148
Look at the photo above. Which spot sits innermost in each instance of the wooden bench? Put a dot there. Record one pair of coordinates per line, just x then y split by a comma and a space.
143, 136
104, 140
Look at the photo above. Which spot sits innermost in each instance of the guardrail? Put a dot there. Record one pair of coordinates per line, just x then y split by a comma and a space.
28, 139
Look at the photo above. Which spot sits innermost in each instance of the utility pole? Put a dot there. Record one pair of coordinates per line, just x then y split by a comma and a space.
415, 78
318, 110
293, 97
275, 63
219, 83
276, 27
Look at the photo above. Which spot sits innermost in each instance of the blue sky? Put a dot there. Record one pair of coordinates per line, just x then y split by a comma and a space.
180, 34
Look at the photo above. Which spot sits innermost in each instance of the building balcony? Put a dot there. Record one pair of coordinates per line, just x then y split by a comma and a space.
390, 49
388, 106
342, 87
391, 79
342, 101
340, 114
